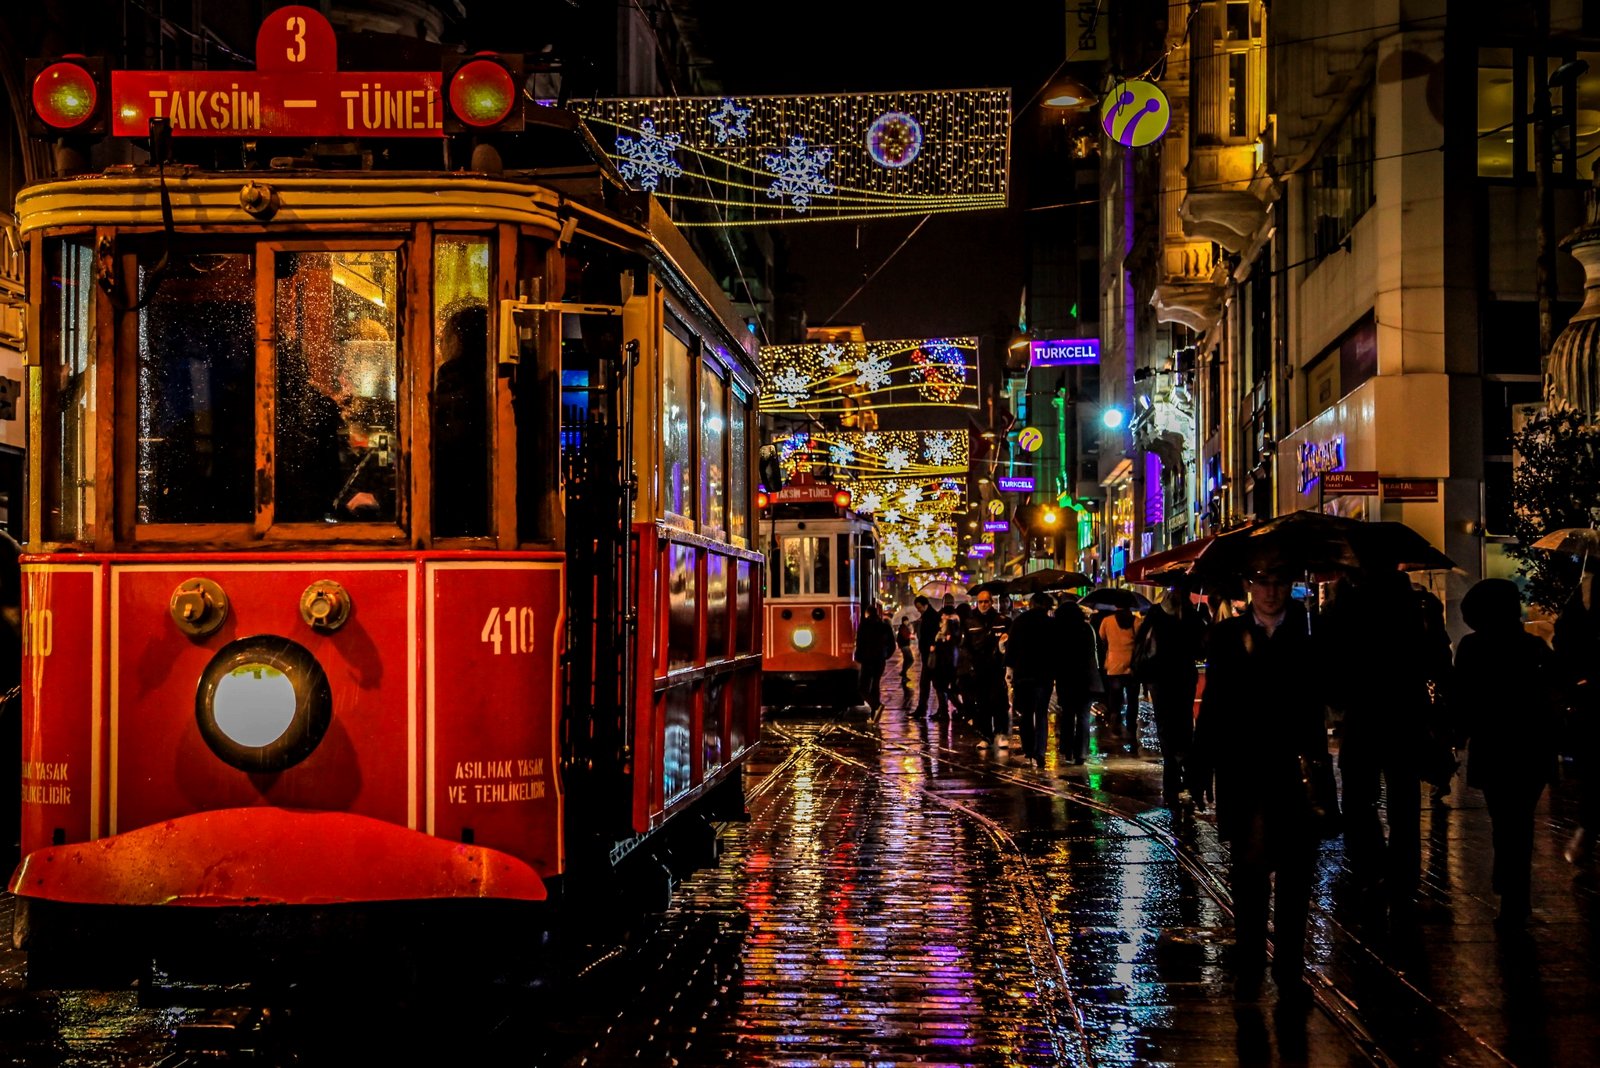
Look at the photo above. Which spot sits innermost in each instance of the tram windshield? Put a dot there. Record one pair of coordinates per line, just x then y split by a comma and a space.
331, 401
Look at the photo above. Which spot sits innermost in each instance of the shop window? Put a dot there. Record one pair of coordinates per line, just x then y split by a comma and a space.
1509, 82
195, 388
68, 376
1341, 186
461, 393
1497, 109
335, 437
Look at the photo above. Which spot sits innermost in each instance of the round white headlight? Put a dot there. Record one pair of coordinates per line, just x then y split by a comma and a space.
803, 638
254, 704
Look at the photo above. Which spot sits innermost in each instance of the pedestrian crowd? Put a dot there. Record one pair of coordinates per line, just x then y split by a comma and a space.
1370, 657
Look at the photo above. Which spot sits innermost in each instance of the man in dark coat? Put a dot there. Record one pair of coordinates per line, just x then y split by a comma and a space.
1031, 655
874, 645
1078, 680
980, 647
1261, 729
1169, 643
1386, 732
927, 631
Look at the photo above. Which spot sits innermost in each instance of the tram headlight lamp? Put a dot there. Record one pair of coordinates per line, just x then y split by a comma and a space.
263, 703
483, 93
803, 638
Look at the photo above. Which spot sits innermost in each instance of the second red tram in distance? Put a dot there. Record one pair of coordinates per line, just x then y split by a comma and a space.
825, 568
390, 537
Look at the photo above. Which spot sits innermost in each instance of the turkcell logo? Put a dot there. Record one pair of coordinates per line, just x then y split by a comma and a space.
1067, 352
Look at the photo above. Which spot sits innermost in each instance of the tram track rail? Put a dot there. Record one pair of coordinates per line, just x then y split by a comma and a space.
1335, 1002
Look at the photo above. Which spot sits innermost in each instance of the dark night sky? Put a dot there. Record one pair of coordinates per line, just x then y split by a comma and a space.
963, 272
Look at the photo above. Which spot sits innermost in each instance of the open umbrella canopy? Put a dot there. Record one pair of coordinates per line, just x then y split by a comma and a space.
1314, 541
994, 586
1114, 597
1047, 579
1571, 540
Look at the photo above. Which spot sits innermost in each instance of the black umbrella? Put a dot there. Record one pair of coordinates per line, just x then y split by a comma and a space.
1313, 541
1114, 597
1047, 579
994, 586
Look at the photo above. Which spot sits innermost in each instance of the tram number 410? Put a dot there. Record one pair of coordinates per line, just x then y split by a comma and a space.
509, 630
38, 631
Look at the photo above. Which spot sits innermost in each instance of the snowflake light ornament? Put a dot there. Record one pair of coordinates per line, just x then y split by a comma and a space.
799, 173
729, 121
835, 356
870, 501
648, 158
871, 442
896, 459
910, 498
872, 372
925, 521
892, 515
939, 450
790, 386
842, 453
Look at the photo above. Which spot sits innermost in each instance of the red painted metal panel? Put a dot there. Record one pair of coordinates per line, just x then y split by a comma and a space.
161, 766
495, 630
648, 641
61, 708
274, 857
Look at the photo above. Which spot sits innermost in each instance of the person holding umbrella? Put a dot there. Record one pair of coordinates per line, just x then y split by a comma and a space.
1261, 731
981, 651
1078, 680
1030, 654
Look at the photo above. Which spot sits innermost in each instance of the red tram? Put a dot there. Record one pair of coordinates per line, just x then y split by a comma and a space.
826, 569
390, 535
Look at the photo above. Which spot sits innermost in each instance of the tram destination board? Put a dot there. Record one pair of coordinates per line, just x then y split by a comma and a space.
296, 90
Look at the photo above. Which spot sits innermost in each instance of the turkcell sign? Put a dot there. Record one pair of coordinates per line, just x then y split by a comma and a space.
995, 526
1015, 483
981, 548
1068, 352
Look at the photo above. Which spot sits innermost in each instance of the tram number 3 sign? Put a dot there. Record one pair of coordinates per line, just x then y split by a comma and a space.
511, 628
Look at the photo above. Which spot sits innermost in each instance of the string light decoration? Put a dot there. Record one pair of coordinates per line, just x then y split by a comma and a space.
814, 157
858, 456
833, 377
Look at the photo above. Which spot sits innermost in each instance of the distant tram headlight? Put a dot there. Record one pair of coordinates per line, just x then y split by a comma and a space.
803, 638
263, 703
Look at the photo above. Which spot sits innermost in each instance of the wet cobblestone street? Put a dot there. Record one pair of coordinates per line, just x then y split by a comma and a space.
902, 896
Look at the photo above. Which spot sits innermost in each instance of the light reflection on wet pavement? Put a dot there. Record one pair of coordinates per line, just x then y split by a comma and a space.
900, 897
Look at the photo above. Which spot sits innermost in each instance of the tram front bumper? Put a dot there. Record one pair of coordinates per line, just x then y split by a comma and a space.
271, 856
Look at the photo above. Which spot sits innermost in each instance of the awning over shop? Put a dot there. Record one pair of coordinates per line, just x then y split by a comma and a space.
1183, 555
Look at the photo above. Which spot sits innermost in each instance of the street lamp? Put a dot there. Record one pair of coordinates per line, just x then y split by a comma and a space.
1113, 418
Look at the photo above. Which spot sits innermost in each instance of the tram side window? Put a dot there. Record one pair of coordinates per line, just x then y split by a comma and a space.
337, 364
461, 392
69, 376
713, 458
738, 467
677, 446
195, 385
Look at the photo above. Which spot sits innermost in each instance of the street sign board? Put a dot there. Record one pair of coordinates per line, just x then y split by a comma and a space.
1350, 483
1064, 352
1410, 489
981, 548
995, 526
1015, 483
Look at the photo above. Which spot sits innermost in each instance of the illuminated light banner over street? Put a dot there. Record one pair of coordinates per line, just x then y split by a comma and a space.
852, 376
1067, 352
1015, 483
852, 455
813, 157
296, 90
